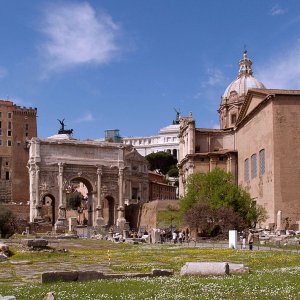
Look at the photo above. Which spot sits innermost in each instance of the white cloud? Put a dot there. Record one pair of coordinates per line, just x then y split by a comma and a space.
216, 126
215, 77
76, 34
282, 71
276, 11
3, 72
87, 117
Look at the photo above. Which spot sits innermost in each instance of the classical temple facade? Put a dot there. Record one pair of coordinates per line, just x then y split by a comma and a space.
258, 142
115, 176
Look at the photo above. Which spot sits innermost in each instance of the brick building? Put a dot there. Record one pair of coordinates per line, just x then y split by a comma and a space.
17, 126
159, 188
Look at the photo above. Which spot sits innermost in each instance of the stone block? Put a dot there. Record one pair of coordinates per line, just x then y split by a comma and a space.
36, 243
3, 257
212, 268
205, 268
59, 276
237, 268
158, 272
89, 275
50, 296
8, 298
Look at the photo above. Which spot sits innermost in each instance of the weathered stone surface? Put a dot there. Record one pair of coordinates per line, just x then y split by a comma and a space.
8, 298
212, 268
50, 296
59, 276
237, 268
205, 268
36, 243
3, 257
95, 275
158, 272
89, 275
4, 247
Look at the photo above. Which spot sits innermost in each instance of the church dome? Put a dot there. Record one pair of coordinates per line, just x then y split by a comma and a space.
244, 82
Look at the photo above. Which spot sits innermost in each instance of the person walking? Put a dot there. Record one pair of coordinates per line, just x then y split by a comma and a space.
250, 239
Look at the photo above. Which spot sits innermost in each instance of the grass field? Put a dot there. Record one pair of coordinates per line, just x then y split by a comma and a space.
273, 275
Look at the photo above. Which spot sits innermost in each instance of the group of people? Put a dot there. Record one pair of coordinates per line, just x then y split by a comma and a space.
250, 239
180, 237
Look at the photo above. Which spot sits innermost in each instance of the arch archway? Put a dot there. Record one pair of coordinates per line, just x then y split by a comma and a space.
87, 207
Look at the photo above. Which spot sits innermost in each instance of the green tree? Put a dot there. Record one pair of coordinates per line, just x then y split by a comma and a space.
163, 161
217, 190
173, 171
7, 222
74, 200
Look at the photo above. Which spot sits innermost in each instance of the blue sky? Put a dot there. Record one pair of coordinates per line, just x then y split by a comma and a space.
128, 64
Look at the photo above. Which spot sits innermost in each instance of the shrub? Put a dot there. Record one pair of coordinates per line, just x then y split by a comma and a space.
7, 222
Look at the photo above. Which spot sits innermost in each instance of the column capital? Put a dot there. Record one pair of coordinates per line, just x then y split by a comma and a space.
99, 170
121, 171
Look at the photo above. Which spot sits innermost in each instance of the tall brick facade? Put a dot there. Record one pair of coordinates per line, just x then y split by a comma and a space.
17, 126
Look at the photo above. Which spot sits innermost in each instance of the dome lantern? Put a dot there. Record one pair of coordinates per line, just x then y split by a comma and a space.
235, 93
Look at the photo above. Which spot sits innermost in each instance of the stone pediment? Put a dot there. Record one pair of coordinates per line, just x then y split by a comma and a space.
133, 155
253, 99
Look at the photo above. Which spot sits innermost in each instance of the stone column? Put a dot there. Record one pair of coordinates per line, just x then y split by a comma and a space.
60, 224
99, 219
32, 192
130, 190
38, 204
212, 163
121, 209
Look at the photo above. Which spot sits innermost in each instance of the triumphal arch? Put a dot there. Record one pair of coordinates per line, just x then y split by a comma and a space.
114, 174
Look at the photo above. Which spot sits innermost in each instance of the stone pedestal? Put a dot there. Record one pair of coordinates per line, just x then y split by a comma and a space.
121, 223
100, 221
232, 239
61, 225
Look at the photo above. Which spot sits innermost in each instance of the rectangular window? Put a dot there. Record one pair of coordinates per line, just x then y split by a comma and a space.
0, 114
262, 162
9, 115
0, 124
9, 143
0, 142
26, 126
9, 125
9, 133
26, 134
246, 169
253, 166
0, 131
7, 175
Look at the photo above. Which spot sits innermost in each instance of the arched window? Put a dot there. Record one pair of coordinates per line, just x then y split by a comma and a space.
246, 169
253, 166
262, 162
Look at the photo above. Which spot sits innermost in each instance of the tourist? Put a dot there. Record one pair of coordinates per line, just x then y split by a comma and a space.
244, 239
180, 237
174, 237
250, 239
